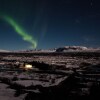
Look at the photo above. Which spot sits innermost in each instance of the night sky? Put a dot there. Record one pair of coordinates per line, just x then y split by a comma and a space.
50, 23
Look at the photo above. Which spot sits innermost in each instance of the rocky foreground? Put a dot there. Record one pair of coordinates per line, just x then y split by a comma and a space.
62, 76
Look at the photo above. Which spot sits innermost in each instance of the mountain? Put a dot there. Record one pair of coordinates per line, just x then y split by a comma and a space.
60, 49
74, 48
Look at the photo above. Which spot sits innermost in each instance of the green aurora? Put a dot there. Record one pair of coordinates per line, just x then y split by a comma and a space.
25, 36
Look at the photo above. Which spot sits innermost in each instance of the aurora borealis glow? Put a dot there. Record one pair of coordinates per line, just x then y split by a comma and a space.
46, 24
20, 31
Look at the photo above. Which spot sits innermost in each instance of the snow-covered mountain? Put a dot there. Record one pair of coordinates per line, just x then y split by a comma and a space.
60, 49
74, 48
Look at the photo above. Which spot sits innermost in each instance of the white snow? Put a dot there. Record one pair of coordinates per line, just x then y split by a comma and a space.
8, 94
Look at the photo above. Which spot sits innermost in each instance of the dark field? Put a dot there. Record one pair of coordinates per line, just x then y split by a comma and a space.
62, 76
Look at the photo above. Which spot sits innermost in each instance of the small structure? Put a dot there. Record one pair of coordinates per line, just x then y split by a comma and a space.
25, 66
28, 66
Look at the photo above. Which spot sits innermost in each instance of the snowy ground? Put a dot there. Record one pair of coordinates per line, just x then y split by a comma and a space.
37, 82
8, 94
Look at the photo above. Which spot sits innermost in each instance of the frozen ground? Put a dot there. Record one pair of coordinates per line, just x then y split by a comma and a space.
37, 82
8, 94
52, 75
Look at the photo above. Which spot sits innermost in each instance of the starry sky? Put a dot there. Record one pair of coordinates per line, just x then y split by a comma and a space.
49, 23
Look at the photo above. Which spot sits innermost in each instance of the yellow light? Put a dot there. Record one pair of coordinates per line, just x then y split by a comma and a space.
28, 66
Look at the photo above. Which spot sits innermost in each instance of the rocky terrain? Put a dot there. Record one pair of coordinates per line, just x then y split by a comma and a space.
54, 75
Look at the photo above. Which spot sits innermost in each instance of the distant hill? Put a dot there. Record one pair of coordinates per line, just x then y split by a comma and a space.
75, 48
60, 49
4, 50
